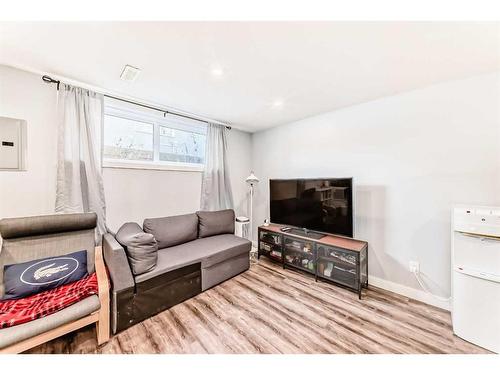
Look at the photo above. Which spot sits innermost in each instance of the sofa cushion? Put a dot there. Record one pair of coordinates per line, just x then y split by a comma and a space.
212, 223
172, 230
36, 276
141, 248
13, 335
207, 251
224, 247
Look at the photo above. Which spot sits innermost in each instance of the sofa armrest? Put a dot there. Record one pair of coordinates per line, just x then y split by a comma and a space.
102, 277
103, 289
117, 263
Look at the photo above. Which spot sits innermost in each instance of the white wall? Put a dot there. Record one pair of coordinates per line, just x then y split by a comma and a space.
135, 194
131, 194
25, 96
412, 156
240, 165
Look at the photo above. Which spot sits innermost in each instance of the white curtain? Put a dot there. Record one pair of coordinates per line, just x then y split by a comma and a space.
79, 178
216, 193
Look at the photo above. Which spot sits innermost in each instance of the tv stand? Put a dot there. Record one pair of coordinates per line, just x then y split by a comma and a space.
337, 259
306, 233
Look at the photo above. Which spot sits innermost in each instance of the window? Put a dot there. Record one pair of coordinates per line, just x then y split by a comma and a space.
127, 139
181, 146
134, 138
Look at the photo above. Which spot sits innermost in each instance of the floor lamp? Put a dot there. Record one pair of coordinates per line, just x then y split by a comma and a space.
251, 180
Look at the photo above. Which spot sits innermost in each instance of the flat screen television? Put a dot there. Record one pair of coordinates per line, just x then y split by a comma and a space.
317, 204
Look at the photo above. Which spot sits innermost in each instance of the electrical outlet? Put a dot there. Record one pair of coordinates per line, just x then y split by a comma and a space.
414, 266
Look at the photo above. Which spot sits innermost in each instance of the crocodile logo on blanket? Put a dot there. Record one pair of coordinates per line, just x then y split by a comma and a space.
49, 271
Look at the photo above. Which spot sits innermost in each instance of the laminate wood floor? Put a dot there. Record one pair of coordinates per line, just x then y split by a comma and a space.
271, 310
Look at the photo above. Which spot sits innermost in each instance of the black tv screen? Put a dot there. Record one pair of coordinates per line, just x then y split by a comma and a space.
320, 204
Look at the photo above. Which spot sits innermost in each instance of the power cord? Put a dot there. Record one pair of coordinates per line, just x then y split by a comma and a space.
417, 276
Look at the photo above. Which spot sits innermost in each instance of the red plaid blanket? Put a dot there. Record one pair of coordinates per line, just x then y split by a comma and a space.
18, 311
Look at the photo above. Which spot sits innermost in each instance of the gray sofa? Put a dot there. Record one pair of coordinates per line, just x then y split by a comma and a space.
169, 260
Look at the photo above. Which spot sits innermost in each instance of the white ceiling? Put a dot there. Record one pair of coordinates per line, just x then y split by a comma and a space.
312, 67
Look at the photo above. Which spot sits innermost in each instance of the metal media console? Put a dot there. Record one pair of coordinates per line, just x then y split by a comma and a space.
341, 260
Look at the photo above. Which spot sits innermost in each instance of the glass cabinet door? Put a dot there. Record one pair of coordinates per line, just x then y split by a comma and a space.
270, 237
272, 251
338, 265
300, 253
270, 245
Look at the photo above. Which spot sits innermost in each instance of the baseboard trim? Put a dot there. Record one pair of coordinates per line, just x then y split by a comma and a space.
406, 291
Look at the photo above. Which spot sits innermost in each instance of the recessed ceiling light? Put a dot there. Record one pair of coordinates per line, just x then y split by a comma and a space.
129, 73
278, 103
217, 72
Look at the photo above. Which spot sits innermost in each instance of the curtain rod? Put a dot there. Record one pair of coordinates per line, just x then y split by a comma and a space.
48, 79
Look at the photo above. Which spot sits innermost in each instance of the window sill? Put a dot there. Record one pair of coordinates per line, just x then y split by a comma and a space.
131, 164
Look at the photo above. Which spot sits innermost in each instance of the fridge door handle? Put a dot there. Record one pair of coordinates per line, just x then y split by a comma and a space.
478, 274
480, 237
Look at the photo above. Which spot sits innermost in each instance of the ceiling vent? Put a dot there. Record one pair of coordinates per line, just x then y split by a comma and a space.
129, 73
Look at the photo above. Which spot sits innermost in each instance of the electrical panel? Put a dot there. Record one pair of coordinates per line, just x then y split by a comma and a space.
12, 144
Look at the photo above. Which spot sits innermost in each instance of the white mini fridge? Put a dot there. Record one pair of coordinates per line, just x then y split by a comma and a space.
476, 275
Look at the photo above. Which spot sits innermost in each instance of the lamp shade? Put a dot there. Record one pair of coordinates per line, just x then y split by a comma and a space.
252, 179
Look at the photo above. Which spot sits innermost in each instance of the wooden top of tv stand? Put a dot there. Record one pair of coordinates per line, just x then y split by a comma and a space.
328, 239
